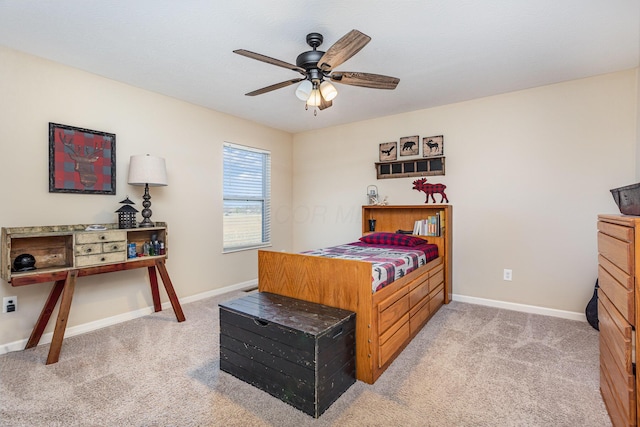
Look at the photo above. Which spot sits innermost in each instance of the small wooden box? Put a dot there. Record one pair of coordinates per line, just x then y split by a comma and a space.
300, 352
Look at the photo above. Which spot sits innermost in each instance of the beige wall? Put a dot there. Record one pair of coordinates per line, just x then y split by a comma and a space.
34, 92
526, 172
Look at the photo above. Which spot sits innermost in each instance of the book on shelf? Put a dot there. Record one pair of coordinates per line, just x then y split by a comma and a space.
433, 225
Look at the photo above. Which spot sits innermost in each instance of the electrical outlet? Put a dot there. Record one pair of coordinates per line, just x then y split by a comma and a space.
507, 274
9, 304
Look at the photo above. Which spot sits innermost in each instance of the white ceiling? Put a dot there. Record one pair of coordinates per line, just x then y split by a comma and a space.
443, 51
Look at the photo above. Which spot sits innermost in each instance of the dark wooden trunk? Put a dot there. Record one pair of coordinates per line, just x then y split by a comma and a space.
299, 352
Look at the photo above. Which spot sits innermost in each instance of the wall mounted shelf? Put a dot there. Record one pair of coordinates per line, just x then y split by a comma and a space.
412, 167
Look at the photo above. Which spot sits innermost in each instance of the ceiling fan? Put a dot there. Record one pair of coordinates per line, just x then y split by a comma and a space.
317, 71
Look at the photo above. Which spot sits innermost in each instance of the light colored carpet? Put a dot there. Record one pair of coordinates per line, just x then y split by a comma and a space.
470, 366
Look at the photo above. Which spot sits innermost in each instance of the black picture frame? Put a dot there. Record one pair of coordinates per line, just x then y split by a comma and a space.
81, 160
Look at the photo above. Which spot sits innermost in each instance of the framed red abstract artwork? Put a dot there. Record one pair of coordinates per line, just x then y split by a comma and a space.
81, 160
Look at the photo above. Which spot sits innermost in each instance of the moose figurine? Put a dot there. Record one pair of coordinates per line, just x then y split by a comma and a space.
430, 189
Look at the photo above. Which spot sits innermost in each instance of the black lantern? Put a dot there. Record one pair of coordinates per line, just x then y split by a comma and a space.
127, 214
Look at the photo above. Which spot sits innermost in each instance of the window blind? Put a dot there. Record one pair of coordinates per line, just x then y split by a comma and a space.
246, 197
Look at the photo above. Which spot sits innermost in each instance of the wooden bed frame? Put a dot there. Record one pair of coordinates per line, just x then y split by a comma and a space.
386, 320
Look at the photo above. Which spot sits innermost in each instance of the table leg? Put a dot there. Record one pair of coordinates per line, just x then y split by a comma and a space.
63, 316
175, 303
45, 315
155, 293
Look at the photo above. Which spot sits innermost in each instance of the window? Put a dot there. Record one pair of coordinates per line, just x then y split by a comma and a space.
246, 198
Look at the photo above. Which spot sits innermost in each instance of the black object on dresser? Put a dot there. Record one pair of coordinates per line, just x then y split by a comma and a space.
300, 352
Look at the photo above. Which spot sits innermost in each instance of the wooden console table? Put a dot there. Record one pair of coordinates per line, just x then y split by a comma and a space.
64, 253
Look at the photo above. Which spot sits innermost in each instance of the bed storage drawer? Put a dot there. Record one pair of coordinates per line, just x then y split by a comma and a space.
297, 351
419, 290
394, 340
392, 309
437, 298
419, 316
436, 278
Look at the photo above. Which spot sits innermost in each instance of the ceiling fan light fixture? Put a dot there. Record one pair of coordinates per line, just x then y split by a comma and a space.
304, 90
315, 98
328, 91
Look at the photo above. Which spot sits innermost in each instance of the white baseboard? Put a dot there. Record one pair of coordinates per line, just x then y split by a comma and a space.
571, 315
109, 321
113, 320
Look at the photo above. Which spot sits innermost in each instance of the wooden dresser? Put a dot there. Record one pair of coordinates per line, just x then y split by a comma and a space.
618, 263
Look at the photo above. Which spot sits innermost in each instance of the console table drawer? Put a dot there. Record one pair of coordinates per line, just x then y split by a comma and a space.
101, 236
98, 259
114, 247
98, 248
88, 249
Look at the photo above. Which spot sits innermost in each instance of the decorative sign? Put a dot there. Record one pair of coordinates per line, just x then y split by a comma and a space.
81, 160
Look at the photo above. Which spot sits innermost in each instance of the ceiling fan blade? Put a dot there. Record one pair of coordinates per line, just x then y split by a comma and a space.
375, 81
343, 49
270, 60
274, 87
324, 103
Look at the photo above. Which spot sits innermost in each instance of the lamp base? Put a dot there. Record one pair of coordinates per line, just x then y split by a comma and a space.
146, 212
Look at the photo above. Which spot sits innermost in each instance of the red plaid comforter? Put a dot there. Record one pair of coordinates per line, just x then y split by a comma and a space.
388, 262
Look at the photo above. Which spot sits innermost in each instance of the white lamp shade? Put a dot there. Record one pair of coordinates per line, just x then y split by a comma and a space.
328, 91
304, 90
315, 98
146, 169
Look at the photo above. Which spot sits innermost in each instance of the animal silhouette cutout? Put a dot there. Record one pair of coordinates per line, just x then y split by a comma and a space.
430, 189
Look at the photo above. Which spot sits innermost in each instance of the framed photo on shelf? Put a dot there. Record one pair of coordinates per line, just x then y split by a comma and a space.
81, 160
388, 151
433, 146
409, 145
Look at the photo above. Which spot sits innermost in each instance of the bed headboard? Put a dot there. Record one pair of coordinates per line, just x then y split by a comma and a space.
391, 218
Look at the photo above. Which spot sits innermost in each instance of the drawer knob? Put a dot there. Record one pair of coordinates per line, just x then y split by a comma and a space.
103, 259
115, 247
88, 250
102, 237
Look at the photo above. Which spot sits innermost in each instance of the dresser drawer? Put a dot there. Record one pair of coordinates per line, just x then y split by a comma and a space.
617, 380
622, 277
101, 236
617, 251
616, 333
619, 296
98, 259
618, 231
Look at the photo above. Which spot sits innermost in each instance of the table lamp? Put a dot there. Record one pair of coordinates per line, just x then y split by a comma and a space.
150, 171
